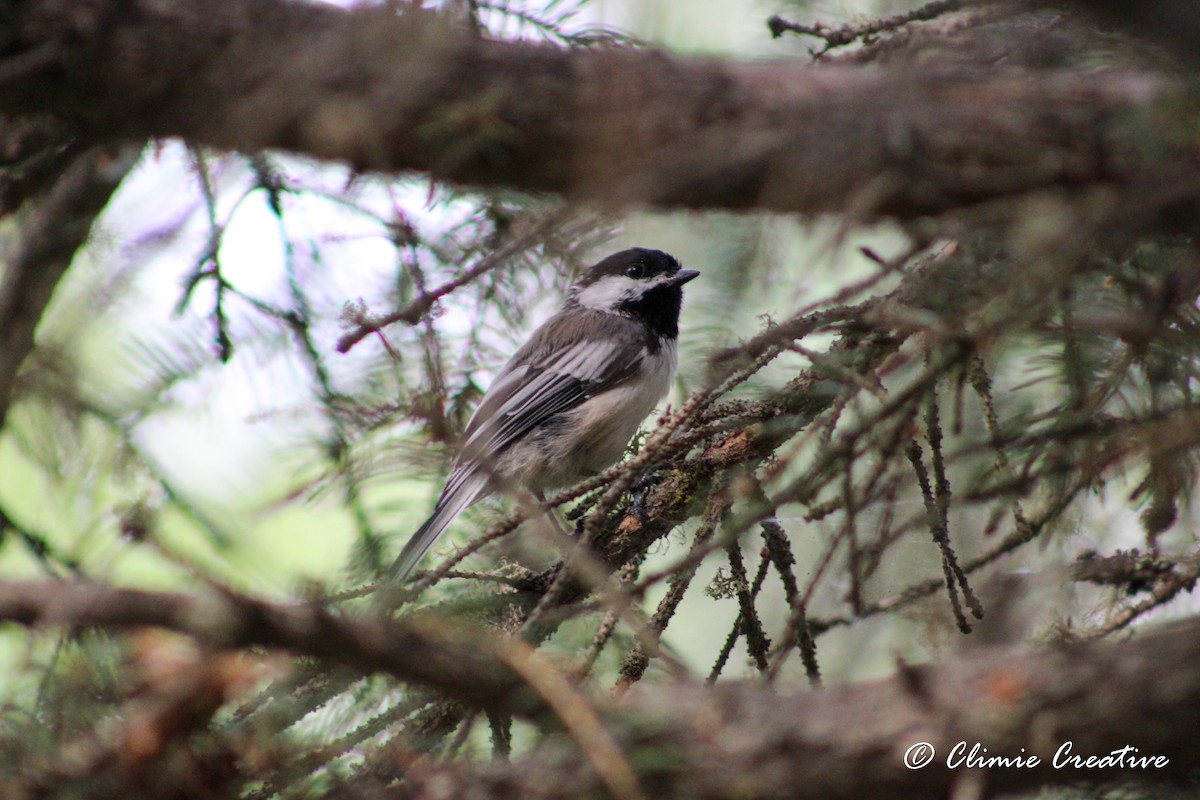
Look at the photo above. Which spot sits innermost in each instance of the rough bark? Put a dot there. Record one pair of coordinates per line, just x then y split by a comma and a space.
410, 91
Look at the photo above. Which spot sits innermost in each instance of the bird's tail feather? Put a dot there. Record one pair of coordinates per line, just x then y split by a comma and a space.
458, 495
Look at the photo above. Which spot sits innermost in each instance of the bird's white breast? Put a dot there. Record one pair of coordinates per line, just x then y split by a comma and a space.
608, 421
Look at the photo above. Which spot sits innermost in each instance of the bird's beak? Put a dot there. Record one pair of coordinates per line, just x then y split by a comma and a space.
682, 277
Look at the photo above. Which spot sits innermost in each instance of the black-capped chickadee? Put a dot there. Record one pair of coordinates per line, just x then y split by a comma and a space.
566, 405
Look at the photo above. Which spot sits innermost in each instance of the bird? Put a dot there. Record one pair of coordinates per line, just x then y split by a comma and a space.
567, 403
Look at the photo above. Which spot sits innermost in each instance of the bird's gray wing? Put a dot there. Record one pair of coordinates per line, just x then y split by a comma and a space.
552, 375
556, 371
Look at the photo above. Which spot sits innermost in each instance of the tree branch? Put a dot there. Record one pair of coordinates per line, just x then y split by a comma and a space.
427, 653
1014, 701
1175, 23
411, 91
1011, 700
56, 227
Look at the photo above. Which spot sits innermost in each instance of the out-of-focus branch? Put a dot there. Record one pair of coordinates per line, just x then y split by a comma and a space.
1099, 697
410, 314
1131, 570
387, 90
851, 741
841, 35
1129, 697
147, 748
1175, 23
1162, 580
54, 229
428, 653
33, 153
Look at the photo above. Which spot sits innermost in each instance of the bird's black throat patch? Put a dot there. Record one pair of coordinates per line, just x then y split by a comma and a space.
658, 309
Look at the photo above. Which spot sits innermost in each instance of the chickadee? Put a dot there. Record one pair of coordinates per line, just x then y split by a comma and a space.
566, 405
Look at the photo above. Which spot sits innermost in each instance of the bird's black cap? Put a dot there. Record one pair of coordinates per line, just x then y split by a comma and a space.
651, 262
643, 284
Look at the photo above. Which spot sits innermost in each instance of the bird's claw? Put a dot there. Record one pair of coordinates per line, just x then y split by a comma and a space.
640, 491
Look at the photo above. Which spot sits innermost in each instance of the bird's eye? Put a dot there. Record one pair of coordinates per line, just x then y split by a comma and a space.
636, 271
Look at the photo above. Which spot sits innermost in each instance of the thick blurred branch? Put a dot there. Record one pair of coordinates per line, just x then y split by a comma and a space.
412, 91
427, 653
33, 153
850, 741
56, 226
1012, 700
1175, 23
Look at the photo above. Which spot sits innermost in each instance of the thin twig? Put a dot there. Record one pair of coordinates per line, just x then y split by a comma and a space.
414, 311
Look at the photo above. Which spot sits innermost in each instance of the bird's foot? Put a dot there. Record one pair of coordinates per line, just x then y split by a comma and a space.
639, 493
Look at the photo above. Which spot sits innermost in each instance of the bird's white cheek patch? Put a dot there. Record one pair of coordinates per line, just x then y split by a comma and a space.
608, 292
